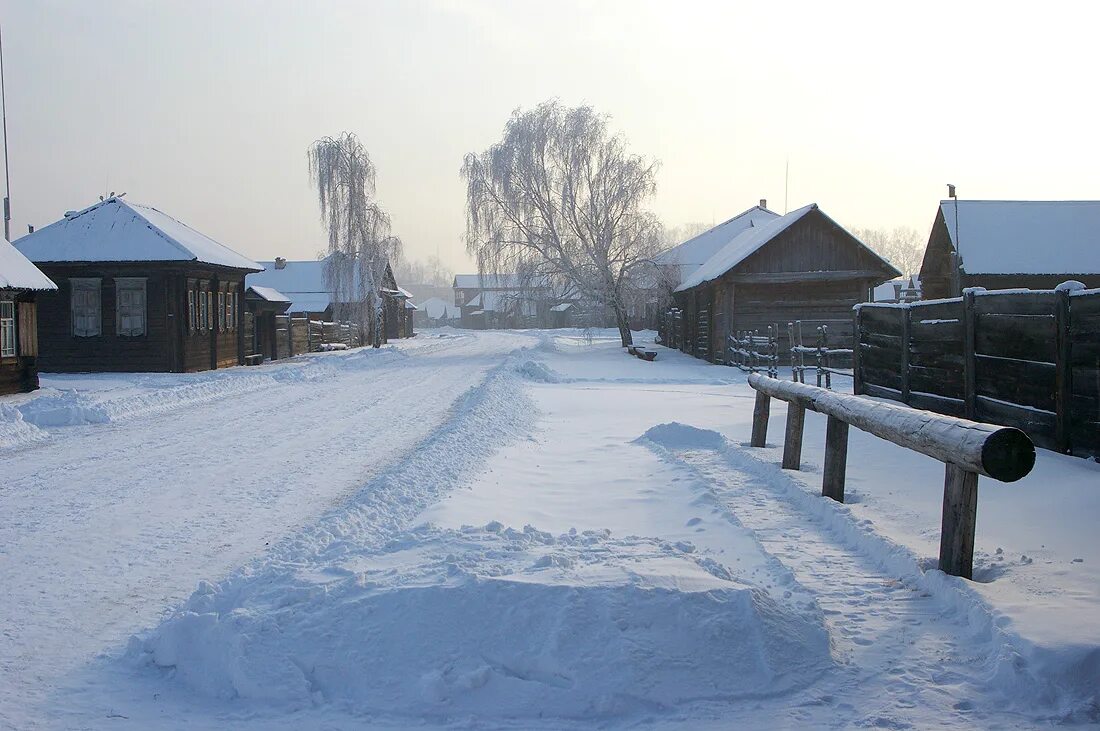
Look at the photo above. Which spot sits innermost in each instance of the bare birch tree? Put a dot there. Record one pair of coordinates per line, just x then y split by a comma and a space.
902, 246
360, 245
559, 202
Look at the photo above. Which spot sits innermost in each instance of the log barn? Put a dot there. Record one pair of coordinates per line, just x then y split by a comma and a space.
20, 282
799, 266
1011, 245
137, 291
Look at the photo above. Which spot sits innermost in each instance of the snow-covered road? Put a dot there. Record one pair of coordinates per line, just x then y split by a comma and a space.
107, 526
512, 530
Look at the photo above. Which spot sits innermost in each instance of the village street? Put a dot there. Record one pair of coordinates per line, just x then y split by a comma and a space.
511, 530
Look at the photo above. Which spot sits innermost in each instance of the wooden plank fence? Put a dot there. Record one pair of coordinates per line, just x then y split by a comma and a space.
1029, 359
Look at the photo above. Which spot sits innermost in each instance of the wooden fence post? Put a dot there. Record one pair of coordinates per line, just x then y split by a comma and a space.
857, 376
960, 512
836, 459
906, 326
970, 379
760, 412
1063, 373
792, 443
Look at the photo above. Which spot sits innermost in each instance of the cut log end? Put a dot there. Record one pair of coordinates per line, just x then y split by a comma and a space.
1008, 455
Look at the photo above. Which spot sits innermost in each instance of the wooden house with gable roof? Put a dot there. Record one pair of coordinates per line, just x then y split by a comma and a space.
1011, 245
799, 266
20, 283
137, 291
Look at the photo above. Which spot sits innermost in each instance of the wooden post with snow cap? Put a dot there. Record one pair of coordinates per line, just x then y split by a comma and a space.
967, 448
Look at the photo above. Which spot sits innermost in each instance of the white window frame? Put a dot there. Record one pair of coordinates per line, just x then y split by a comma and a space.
8, 341
203, 314
88, 321
191, 309
209, 310
134, 322
221, 311
230, 311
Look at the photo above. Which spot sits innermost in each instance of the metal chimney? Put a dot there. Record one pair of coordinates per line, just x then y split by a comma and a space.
763, 202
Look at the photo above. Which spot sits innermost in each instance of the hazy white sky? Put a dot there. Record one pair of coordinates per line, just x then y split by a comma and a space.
205, 109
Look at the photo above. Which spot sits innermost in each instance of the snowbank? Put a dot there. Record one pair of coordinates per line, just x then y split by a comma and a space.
499, 623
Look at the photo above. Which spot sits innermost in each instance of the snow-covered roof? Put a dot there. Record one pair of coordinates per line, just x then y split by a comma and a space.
888, 291
17, 272
742, 246
749, 241
302, 281
437, 309
562, 307
410, 306
116, 230
269, 294
695, 252
1025, 237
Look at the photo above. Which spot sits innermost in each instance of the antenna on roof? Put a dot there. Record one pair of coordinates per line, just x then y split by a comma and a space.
7, 180
786, 182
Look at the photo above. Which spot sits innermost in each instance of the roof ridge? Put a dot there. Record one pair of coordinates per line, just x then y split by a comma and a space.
157, 230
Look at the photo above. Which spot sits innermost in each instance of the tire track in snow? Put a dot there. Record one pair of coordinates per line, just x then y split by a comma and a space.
902, 646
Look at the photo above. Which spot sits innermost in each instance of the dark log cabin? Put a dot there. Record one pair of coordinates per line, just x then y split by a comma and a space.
137, 291
1011, 245
20, 283
800, 266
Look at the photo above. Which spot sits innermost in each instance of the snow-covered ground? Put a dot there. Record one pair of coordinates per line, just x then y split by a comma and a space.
512, 530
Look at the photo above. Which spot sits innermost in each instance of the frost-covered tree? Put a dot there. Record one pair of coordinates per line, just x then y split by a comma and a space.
360, 245
902, 246
559, 202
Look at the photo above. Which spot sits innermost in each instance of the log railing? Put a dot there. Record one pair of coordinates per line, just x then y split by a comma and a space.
967, 448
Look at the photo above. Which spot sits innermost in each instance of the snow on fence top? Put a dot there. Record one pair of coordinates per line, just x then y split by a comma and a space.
115, 230
693, 253
1025, 237
17, 272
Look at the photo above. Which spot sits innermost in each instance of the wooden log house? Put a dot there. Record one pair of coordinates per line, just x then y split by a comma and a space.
137, 291
800, 266
262, 304
1011, 245
20, 283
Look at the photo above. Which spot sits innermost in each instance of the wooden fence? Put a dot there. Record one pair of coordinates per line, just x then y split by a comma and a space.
752, 352
826, 359
1029, 359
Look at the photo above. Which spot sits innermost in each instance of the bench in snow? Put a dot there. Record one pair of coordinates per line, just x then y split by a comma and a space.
641, 352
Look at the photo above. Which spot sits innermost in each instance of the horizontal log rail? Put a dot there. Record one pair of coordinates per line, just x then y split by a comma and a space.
967, 448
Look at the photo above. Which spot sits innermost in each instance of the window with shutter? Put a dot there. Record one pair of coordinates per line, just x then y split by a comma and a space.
130, 299
209, 310
202, 310
191, 310
221, 312
86, 307
7, 329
